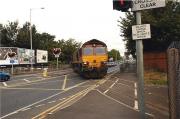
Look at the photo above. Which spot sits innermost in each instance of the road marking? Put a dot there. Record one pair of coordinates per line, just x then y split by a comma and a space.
106, 91
51, 101
64, 83
41, 100
27, 80
30, 89
25, 109
40, 105
68, 101
110, 86
116, 100
62, 98
34, 82
125, 85
126, 80
136, 105
135, 94
5, 84
63, 103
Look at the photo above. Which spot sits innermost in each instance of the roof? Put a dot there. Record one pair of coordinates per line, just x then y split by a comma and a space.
175, 44
94, 41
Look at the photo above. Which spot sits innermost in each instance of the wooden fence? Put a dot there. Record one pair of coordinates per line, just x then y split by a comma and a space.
173, 55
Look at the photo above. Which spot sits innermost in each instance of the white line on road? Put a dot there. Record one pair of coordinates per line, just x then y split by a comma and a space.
135, 94
126, 80
27, 80
136, 105
40, 105
116, 100
5, 84
51, 101
106, 91
62, 98
25, 109
64, 83
110, 86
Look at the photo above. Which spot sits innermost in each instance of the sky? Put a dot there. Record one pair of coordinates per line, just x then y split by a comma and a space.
82, 20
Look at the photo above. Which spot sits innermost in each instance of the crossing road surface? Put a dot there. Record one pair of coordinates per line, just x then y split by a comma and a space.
65, 95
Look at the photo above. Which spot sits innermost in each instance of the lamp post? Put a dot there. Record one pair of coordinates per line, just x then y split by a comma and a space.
30, 28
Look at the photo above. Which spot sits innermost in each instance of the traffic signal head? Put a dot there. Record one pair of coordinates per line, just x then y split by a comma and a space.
11, 54
122, 5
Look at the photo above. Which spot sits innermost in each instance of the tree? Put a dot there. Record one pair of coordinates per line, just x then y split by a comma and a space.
115, 54
23, 39
68, 48
165, 27
14, 36
9, 34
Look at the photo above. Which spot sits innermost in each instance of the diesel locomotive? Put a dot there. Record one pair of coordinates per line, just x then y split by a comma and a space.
90, 60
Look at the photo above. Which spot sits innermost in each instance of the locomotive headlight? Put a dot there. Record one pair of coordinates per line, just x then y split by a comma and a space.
86, 63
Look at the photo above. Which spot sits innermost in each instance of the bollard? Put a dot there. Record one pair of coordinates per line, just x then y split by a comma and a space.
45, 72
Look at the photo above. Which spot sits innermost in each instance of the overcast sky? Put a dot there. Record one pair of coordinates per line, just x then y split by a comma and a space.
82, 20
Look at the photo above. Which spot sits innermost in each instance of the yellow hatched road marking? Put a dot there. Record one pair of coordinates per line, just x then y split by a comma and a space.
68, 100
61, 104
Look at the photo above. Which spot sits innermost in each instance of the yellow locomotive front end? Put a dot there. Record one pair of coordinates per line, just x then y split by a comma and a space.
94, 58
90, 60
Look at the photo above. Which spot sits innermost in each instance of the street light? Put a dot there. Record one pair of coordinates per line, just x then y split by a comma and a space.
31, 31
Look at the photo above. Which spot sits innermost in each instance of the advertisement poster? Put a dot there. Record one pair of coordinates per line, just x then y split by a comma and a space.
26, 56
42, 56
5, 59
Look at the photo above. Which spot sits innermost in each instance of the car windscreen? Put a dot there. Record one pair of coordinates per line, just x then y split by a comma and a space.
100, 50
88, 51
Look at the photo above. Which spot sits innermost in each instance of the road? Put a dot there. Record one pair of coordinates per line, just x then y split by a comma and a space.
65, 95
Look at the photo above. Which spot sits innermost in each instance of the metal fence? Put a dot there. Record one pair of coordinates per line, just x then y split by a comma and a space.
173, 55
128, 67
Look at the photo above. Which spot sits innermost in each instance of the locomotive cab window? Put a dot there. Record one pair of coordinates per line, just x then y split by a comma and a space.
100, 50
88, 51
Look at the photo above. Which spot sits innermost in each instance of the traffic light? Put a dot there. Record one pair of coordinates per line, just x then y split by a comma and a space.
122, 5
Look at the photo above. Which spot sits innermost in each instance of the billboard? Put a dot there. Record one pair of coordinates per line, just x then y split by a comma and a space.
41, 56
5, 59
26, 56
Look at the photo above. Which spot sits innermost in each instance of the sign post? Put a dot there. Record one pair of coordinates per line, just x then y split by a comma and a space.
12, 69
140, 70
12, 56
142, 32
57, 52
57, 63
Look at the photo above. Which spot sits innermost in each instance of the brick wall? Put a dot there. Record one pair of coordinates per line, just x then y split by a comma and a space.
155, 60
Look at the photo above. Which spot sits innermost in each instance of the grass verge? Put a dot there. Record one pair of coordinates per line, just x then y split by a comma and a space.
155, 78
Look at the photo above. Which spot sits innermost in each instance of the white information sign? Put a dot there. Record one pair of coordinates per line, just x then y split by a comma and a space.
41, 56
147, 4
141, 31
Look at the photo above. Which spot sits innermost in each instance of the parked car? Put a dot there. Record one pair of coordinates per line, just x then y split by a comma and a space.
4, 76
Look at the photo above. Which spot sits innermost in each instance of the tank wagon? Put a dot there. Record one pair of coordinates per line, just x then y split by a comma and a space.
90, 60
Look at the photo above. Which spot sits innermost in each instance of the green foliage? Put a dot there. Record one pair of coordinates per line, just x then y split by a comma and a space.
165, 27
9, 33
14, 36
115, 54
